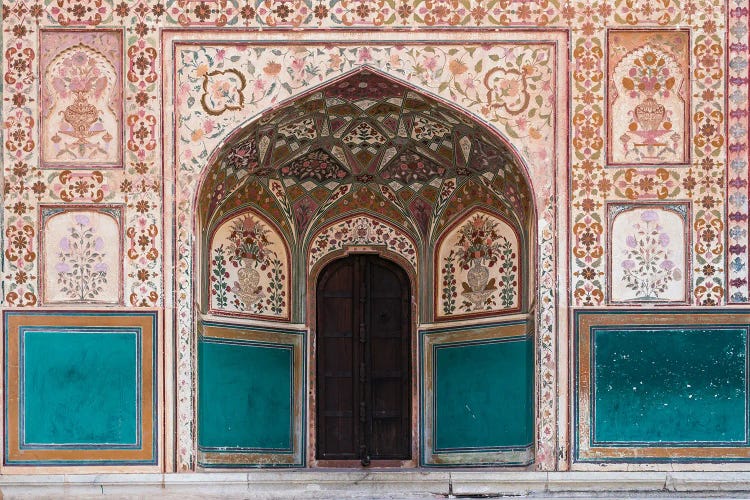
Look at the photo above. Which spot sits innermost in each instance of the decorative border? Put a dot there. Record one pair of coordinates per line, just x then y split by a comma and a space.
681, 208
47, 211
584, 323
294, 340
431, 341
738, 150
144, 451
119, 87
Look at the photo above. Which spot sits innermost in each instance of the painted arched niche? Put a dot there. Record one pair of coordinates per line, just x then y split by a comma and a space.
80, 109
478, 268
248, 268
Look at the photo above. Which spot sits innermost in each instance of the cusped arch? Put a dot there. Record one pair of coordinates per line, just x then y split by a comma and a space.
478, 266
361, 230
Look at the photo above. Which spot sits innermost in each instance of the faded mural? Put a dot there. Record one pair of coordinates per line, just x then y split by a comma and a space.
649, 86
648, 253
82, 254
81, 98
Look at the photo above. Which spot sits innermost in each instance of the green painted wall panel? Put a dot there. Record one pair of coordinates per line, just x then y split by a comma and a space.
80, 388
245, 396
484, 395
669, 385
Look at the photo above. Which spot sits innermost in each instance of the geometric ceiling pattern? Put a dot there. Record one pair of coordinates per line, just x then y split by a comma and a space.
366, 143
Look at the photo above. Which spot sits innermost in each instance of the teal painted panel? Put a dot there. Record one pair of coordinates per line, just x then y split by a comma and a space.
669, 385
244, 396
483, 395
80, 388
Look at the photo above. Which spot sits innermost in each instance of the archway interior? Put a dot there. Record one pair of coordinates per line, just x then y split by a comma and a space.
369, 144
367, 160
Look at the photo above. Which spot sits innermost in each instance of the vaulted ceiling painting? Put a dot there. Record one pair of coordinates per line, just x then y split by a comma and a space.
364, 143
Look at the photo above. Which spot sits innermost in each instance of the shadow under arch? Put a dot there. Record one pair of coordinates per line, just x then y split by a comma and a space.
367, 143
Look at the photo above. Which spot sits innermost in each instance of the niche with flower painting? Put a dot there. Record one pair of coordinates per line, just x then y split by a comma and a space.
249, 268
80, 263
649, 251
477, 268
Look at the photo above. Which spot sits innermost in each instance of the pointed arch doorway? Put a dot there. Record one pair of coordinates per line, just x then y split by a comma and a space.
363, 362
368, 164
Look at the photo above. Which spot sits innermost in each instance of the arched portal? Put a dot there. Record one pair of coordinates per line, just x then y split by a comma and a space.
369, 164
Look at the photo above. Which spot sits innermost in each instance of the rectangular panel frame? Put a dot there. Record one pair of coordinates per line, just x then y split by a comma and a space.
431, 341
145, 452
584, 322
259, 457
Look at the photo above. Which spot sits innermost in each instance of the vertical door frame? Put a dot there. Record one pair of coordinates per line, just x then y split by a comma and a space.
311, 305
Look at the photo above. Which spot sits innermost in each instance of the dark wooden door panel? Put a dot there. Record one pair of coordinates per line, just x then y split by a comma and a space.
363, 361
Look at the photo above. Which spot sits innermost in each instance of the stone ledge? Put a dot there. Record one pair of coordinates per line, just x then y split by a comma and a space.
420, 483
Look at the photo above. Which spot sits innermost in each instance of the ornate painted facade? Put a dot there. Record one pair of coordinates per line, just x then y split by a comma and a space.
565, 184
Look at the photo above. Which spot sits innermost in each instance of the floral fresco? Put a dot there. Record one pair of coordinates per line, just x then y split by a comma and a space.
81, 98
478, 268
81, 265
249, 269
648, 97
648, 259
361, 230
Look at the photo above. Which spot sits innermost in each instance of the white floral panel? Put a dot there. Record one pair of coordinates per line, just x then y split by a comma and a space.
249, 269
648, 256
82, 262
478, 268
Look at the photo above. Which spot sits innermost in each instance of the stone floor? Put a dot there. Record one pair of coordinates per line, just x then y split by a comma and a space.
382, 485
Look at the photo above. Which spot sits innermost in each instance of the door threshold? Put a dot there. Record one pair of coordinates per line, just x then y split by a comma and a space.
356, 464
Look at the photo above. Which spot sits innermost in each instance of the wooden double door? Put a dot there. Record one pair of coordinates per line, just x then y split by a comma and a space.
363, 361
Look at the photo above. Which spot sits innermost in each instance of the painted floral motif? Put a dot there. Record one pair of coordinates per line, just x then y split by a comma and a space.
648, 255
249, 269
648, 102
317, 165
82, 259
81, 104
412, 167
361, 230
222, 91
218, 278
81, 270
479, 268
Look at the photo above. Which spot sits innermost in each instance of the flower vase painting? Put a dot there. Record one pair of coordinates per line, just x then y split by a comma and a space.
478, 268
81, 264
648, 97
81, 99
648, 256
249, 269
